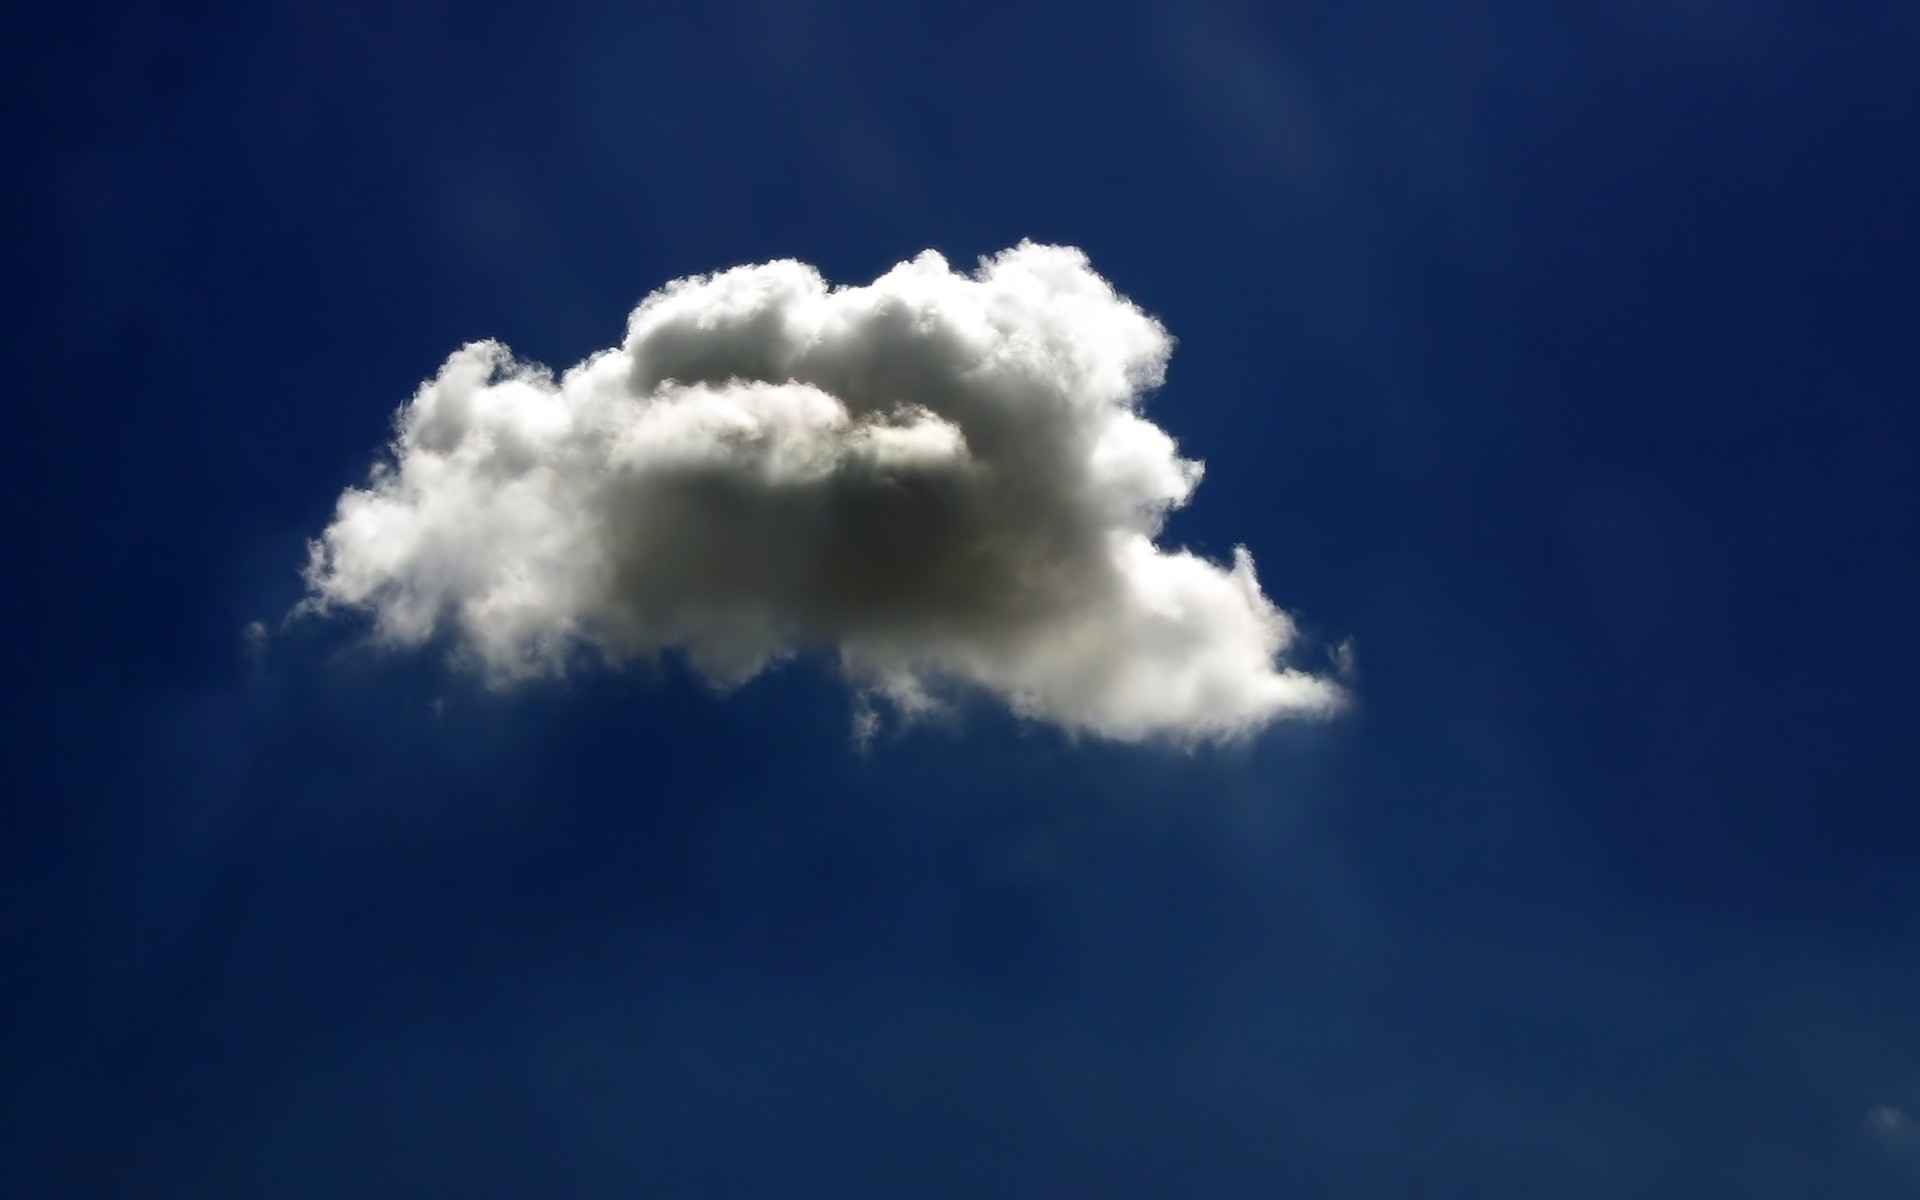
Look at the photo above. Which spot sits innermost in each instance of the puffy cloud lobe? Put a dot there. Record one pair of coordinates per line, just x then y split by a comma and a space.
942, 479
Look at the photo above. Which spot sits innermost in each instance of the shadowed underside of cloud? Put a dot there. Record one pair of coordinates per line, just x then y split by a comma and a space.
941, 479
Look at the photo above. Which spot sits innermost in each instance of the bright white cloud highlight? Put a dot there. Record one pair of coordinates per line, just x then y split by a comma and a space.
943, 480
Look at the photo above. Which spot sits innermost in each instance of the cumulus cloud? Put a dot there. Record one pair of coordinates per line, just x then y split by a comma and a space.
943, 480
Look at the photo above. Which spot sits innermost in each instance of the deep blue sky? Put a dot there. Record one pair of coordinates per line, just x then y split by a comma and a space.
1563, 356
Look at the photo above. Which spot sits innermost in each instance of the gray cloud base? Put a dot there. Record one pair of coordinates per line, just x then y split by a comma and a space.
942, 479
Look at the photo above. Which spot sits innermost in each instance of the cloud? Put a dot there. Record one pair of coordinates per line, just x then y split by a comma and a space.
1897, 1137
943, 480
254, 638
1890, 1123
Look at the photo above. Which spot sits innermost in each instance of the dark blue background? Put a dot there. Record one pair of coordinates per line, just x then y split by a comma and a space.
1563, 356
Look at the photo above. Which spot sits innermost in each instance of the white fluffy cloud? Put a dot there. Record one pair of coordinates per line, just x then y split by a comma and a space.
941, 479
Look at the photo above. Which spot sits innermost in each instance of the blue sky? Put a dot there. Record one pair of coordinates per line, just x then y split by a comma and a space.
1559, 356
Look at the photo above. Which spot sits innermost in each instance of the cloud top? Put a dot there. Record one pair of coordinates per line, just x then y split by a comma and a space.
943, 480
